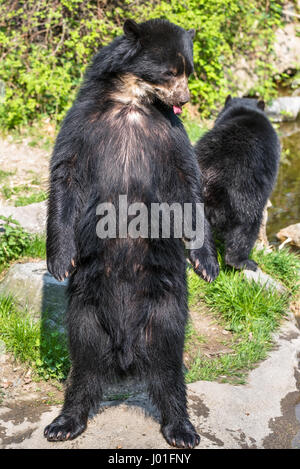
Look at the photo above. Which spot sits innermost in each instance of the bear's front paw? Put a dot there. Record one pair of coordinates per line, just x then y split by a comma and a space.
64, 427
205, 264
60, 267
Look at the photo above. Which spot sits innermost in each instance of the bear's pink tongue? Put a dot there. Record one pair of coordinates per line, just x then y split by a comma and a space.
177, 109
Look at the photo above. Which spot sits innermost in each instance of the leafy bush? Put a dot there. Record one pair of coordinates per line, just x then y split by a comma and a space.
46, 45
16, 242
13, 240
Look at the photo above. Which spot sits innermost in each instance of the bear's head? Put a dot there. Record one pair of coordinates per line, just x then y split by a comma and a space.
160, 60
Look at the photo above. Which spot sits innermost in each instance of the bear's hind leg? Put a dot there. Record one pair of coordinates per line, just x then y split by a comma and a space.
238, 244
81, 395
166, 380
84, 390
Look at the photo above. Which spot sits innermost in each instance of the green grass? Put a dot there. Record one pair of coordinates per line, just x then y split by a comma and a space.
281, 265
194, 129
8, 191
23, 194
5, 174
249, 311
32, 342
192, 338
31, 199
36, 248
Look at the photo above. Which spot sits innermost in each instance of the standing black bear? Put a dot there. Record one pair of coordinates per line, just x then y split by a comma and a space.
239, 160
127, 297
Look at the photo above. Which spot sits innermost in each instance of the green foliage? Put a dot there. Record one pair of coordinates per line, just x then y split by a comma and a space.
16, 242
44, 48
225, 30
13, 240
245, 306
46, 45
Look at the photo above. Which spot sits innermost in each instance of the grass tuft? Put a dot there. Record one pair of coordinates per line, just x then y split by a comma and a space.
283, 265
251, 312
32, 342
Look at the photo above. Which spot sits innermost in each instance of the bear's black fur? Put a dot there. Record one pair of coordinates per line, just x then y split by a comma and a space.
127, 297
239, 160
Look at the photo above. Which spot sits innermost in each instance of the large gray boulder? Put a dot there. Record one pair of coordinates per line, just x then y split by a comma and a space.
36, 290
286, 47
32, 217
286, 55
284, 109
263, 279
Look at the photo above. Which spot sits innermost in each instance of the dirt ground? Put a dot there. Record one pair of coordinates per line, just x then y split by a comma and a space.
22, 164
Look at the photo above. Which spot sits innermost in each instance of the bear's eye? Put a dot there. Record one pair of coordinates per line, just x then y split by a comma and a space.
170, 74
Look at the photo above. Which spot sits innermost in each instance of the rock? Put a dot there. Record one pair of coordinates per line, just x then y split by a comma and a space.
32, 217
286, 48
264, 279
291, 233
286, 57
34, 288
295, 84
283, 109
260, 414
287, 130
243, 76
296, 92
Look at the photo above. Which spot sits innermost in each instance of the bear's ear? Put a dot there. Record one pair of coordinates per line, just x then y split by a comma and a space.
228, 99
192, 33
131, 29
261, 105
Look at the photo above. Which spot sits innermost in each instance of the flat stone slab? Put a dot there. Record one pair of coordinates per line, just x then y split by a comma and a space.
35, 289
32, 217
261, 414
264, 279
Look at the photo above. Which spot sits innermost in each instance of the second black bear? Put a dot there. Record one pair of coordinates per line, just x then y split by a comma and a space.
127, 297
239, 160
